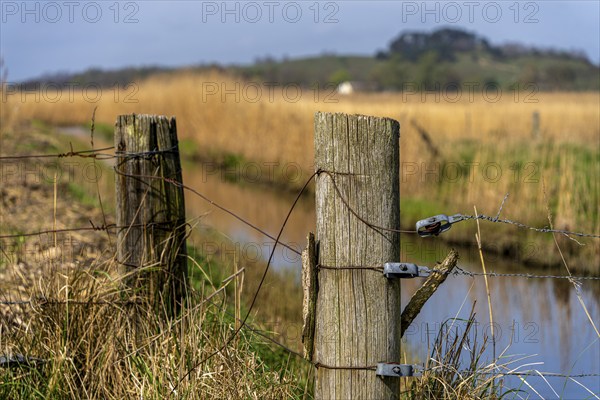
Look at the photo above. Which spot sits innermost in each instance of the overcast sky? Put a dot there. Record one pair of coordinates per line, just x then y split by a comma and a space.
39, 37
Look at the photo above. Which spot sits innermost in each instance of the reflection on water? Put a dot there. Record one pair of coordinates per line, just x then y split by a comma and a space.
261, 206
540, 318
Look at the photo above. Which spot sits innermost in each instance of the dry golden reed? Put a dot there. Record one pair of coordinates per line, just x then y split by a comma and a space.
276, 123
486, 141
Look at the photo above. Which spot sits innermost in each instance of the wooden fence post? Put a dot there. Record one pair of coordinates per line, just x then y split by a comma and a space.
151, 211
357, 311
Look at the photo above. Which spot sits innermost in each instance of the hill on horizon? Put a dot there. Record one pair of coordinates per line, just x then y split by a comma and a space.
438, 60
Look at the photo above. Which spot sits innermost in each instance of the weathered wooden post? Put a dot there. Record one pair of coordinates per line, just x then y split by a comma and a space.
357, 310
150, 210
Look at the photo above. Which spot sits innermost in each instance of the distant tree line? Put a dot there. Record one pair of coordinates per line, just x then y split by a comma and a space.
454, 57
440, 59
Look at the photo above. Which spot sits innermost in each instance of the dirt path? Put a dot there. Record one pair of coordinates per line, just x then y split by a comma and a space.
27, 205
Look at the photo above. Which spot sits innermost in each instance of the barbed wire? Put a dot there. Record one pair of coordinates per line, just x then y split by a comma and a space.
460, 271
145, 154
421, 370
44, 301
96, 154
112, 226
459, 217
434, 226
64, 230
532, 373
521, 225
418, 367
93, 153
457, 270
525, 226
107, 227
352, 211
213, 203
93, 227
526, 373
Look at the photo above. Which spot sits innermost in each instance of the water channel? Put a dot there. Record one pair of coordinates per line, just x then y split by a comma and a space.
539, 321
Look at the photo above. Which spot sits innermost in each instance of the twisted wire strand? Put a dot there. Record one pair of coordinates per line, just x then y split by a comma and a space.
460, 271
525, 226
94, 153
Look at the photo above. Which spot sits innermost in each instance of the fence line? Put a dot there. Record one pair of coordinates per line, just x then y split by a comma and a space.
96, 154
460, 271
44, 301
457, 271
220, 207
418, 368
524, 226
133, 155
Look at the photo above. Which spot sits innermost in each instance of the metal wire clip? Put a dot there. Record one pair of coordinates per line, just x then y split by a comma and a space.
393, 369
392, 270
433, 226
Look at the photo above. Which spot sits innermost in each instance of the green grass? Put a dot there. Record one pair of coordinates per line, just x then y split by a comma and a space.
81, 195
414, 209
11, 248
105, 131
188, 148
